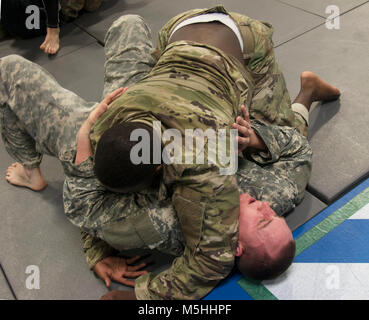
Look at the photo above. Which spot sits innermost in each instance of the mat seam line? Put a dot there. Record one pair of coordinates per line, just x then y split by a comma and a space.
302, 9
342, 14
318, 15
341, 193
90, 34
8, 282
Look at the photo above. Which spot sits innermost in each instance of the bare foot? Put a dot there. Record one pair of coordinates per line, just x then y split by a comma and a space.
51, 44
319, 89
17, 175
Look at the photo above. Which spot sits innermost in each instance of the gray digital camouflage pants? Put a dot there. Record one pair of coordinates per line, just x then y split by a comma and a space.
38, 116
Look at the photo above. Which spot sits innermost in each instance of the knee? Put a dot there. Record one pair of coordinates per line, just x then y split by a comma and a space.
12, 58
127, 24
11, 61
128, 19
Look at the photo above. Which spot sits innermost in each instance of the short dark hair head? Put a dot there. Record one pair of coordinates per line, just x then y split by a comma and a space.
113, 166
258, 265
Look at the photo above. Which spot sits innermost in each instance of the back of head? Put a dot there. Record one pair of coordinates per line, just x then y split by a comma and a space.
267, 262
114, 167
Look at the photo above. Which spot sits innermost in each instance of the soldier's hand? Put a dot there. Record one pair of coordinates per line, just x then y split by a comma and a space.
83, 136
114, 95
244, 130
103, 106
118, 269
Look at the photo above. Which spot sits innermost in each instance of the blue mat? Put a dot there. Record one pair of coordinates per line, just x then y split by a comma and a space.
332, 258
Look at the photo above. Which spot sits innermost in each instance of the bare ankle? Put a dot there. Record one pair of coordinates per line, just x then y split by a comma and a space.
53, 31
308, 82
31, 178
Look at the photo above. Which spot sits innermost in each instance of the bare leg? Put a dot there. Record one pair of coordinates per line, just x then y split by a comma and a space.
51, 44
314, 89
18, 175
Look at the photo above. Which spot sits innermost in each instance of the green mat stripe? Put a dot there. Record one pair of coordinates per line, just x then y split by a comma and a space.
332, 221
256, 290
259, 292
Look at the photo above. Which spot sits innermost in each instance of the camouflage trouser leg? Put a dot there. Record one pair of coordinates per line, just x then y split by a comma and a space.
19, 144
271, 100
37, 115
128, 47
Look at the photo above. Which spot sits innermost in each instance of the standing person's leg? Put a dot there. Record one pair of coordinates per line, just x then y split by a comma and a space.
51, 44
37, 117
128, 46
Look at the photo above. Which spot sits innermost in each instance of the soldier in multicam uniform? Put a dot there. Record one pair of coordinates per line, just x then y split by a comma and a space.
150, 214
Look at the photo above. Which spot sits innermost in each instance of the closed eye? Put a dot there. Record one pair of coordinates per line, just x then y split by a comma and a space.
263, 223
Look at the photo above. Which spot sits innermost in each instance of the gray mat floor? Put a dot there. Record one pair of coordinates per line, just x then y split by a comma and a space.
34, 230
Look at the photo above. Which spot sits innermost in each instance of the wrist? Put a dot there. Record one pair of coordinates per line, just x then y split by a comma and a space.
85, 128
256, 142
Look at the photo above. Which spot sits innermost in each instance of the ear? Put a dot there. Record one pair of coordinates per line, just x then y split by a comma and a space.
239, 250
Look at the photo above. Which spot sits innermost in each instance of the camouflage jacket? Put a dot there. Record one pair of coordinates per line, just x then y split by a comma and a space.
192, 86
270, 100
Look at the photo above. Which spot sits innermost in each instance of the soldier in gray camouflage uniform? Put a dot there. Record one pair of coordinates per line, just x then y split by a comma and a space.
26, 141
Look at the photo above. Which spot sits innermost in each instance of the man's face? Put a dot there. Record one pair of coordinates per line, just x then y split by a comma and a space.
260, 228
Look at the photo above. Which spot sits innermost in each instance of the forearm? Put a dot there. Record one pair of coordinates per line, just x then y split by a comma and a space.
256, 142
273, 142
89, 206
281, 174
122, 220
95, 249
83, 145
